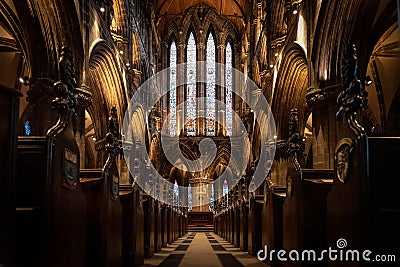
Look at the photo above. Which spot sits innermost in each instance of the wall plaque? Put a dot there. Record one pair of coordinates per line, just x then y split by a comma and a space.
71, 169
342, 158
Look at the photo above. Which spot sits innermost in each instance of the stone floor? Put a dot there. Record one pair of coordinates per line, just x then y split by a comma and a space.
202, 249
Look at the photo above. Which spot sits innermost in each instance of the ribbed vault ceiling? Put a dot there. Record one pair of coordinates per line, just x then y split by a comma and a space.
235, 10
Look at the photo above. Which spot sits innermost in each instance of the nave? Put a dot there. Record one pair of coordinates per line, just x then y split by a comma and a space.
202, 249
78, 190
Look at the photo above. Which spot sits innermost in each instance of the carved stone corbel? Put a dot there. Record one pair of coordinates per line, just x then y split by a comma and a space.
295, 141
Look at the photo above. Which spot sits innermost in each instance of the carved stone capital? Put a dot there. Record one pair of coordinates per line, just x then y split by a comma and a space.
181, 46
321, 96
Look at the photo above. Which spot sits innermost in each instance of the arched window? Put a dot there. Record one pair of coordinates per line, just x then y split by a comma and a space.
191, 108
228, 88
212, 196
172, 91
225, 188
190, 204
210, 87
191, 91
176, 193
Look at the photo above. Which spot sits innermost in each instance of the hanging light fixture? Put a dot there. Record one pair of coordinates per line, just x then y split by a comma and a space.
368, 81
295, 8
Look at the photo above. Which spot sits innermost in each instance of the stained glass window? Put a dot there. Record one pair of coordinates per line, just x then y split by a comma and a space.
228, 88
212, 196
27, 127
225, 188
210, 88
176, 193
191, 87
190, 205
172, 90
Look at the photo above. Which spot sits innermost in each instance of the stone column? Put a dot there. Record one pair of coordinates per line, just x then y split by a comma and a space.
323, 105
137, 78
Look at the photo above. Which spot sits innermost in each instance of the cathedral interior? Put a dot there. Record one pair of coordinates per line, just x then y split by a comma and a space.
199, 133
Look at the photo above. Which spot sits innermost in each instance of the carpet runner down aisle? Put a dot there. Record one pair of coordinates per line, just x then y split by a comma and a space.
202, 249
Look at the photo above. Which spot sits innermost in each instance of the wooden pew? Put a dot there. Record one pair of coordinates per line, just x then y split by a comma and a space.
50, 198
243, 225
149, 231
231, 222
132, 226
272, 217
30, 186
101, 187
157, 226
9, 101
304, 209
255, 225
368, 198
164, 225
104, 218
363, 206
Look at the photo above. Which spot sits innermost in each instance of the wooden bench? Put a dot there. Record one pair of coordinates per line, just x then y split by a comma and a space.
304, 210
104, 217
272, 217
368, 197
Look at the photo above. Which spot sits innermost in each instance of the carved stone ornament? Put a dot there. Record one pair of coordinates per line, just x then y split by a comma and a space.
113, 146
353, 97
342, 159
295, 141
65, 89
84, 96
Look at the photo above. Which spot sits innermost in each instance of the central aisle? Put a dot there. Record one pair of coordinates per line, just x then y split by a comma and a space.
200, 253
202, 249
